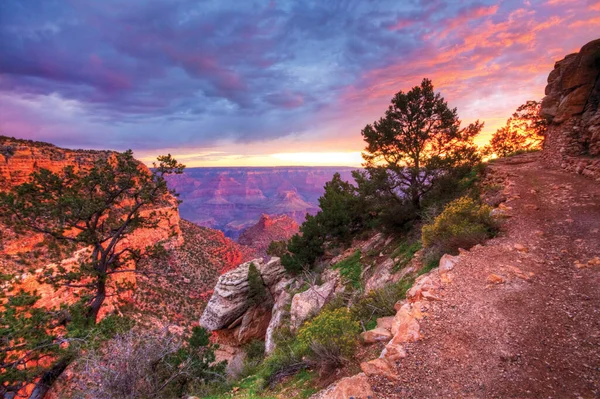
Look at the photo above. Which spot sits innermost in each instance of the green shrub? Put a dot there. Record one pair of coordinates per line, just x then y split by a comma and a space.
334, 329
350, 269
277, 248
405, 253
255, 350
257, 293
462, 224
379, 303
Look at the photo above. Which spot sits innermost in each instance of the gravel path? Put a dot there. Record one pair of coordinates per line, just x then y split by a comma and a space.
533, 329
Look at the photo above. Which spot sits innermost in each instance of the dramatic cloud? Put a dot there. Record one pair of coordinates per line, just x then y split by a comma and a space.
199, 77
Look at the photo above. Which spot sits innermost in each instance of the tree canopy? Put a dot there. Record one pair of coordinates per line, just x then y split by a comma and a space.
93, 210
417, 141
525, 130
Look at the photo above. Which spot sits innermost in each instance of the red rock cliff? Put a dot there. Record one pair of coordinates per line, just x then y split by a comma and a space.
19, 158
572, 108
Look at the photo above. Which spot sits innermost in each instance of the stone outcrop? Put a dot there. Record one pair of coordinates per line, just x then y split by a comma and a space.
269, 228
356, 387
229, 301
309, 302
399, 330
20, 158
571, 106
278, 315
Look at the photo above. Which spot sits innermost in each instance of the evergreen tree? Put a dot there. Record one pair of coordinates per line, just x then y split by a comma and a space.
94, 209
524, 130
418, 141
257, 293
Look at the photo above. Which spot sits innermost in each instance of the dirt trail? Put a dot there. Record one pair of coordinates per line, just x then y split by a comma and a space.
535, 335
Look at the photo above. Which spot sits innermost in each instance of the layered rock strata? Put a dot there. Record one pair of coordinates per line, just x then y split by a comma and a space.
571, 106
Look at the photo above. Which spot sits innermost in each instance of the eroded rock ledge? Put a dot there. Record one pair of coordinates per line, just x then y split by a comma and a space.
571, 106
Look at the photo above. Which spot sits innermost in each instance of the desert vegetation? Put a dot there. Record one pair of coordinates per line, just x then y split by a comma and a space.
92, 211
524, 131
420, 186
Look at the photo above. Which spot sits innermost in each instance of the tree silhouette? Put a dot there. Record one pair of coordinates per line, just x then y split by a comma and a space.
417, 141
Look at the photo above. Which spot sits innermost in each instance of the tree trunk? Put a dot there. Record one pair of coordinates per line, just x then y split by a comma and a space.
98, 299
416, 200
48, 379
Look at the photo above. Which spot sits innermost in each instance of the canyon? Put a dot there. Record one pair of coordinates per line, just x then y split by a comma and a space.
233, 199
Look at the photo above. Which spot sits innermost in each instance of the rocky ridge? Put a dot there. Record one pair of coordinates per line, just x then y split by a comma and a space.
268, 228
291, 300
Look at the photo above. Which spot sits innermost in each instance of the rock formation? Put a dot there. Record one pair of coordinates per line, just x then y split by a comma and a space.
230, 303
22, 157
309, 302
571, 106
278, 315
269, 228
397, 331
233, 199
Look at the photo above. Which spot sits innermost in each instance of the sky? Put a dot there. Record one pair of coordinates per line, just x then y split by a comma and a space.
266, 83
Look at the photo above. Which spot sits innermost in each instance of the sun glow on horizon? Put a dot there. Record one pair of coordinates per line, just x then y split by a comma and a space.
320, 158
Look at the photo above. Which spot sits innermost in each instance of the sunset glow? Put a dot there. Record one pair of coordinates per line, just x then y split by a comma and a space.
279, 83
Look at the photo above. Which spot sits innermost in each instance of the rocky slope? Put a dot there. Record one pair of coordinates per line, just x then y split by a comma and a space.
233, 199
235, 319
572, 107
515, 318
174, 291
268, 228
22, 157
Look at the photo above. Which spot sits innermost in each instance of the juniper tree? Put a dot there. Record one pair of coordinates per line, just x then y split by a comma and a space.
416, 142
93, 210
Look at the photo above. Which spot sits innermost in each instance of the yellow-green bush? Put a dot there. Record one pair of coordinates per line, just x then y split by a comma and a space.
332, 329
462, 224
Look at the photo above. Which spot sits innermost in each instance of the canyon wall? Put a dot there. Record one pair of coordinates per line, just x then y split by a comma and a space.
22, 157
571, 106
233, 199
268, 228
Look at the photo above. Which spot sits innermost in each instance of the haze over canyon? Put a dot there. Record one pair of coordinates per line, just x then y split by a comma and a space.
233, 199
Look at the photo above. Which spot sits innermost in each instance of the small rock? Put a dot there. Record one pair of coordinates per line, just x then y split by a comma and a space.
379, 367
393, 352
356, 387
385, 322
376, 335
520, 247
405, 328
495, 279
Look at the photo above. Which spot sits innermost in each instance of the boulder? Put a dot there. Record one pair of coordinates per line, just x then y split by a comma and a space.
446, 265
425, 287
278, 315
385, 322
356, 387
376, 335
379, 367
381, 275
229, 301
405, 327
309, 302
393, 352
